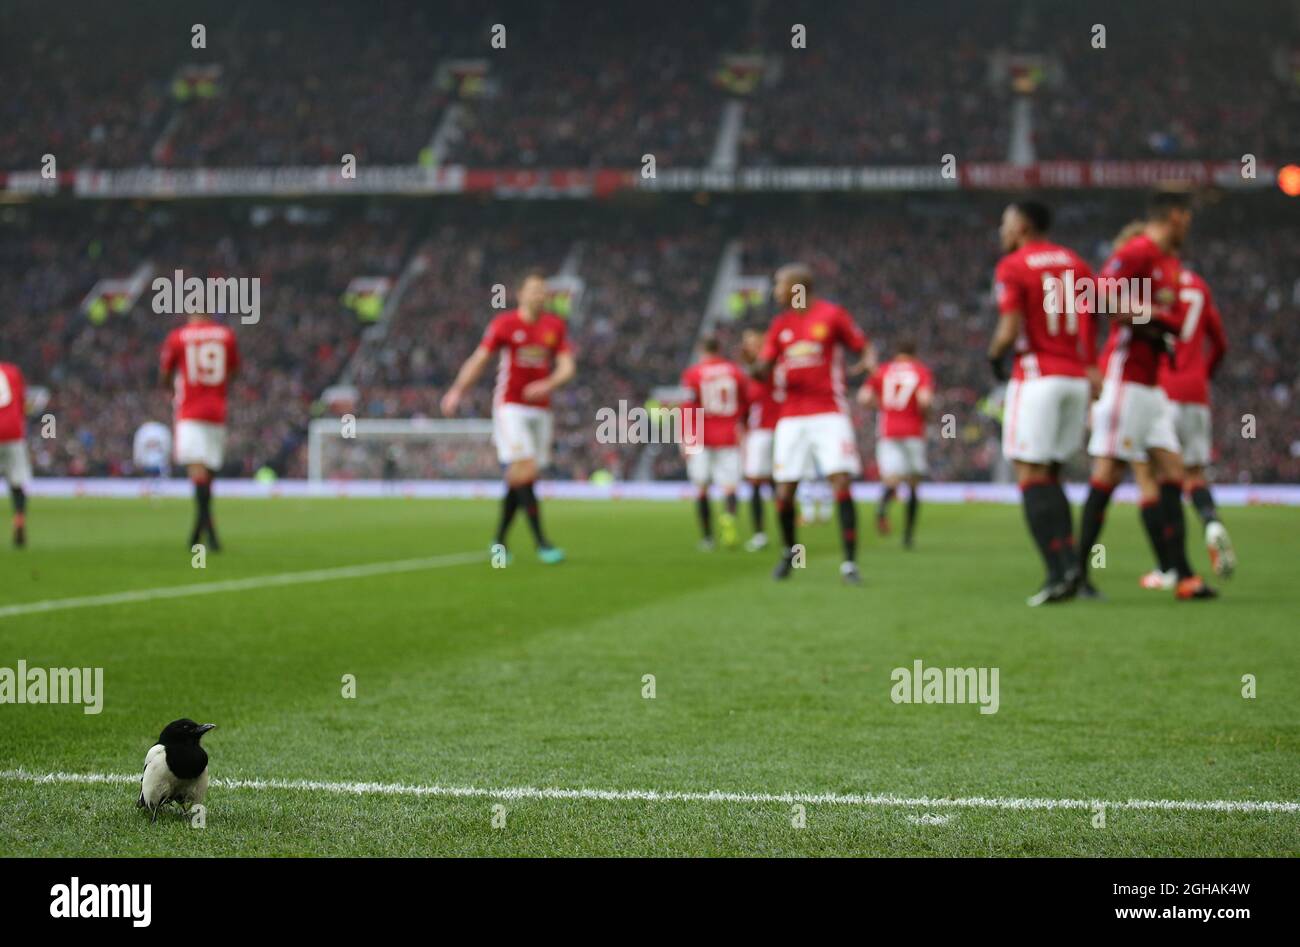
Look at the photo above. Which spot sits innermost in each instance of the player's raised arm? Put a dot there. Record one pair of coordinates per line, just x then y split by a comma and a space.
868, 396
866, 362
925, 396
469, 373
855, 340
762, 365
1010, 293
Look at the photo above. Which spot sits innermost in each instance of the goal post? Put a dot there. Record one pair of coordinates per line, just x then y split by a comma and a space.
348, 448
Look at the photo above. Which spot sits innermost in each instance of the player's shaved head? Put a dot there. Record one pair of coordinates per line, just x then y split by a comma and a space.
1162, 204
710, 345
751, 342
532, 290
532, 273
1169, 217
906, 346
787, 278
1023, 221
1036, 214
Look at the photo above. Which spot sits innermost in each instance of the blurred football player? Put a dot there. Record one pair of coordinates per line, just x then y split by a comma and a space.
805, 345
719, 398
1052, 341
759, 424
901, 391
198, 361
151, 450
1185, 379
534, 359
1132, 423
15, 467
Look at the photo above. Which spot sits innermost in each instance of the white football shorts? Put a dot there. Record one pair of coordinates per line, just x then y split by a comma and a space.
716, 466
1045, 418
900, 457
200, 442
522, 432
823, 442
1129, 419
758, 454
1192, 427
15, 467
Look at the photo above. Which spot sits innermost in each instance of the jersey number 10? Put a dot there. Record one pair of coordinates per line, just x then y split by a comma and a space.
719, 396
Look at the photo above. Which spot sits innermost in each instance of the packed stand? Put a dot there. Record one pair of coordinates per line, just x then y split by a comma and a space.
102, 373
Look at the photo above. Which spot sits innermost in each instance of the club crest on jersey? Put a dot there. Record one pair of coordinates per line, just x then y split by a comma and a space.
819, 331
549, 338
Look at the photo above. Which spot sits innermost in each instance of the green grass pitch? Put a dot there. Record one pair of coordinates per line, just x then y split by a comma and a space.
532, 676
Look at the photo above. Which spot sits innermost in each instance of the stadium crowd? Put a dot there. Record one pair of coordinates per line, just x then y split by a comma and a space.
294, 84
912, 267
291, 84
101, 366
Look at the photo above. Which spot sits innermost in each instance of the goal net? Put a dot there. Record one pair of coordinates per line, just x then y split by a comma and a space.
403, 449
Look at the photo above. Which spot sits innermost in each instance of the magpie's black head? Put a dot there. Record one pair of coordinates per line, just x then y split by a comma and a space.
183, 731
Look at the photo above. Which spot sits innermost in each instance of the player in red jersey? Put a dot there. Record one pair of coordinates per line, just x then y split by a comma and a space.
902, 390
15, 468
805, 348
718, 390
759, 426
1131, 420
198, 361
1050, 330
1185, 379
534, 359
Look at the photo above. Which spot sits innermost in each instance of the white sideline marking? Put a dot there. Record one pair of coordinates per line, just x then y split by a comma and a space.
654, 795
240, 585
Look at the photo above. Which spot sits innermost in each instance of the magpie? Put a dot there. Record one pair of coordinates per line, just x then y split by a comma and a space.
175, 768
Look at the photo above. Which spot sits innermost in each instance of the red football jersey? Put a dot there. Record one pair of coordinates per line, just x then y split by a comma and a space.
528, 349
1053, 339
201, 358
13, 395
1188, 378
1130, 355
808, 349
719, 388
897, 384
763, 407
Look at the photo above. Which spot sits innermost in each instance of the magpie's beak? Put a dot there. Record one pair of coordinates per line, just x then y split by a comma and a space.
205, 727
